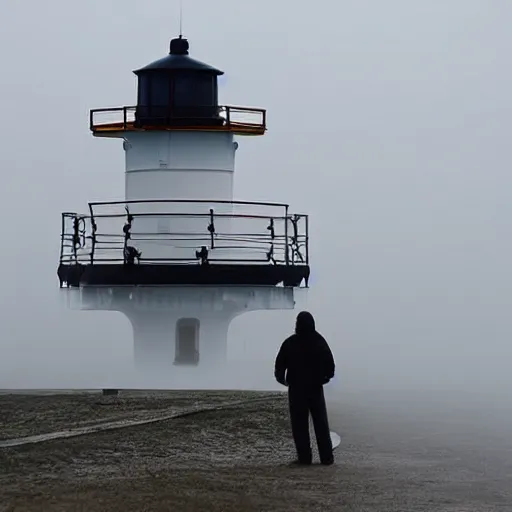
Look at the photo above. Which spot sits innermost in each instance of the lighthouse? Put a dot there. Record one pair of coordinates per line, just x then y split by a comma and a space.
180, 257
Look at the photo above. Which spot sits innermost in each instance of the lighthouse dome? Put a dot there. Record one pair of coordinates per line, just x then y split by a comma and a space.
178, 59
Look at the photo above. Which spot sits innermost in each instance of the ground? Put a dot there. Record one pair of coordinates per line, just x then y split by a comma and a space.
236, 459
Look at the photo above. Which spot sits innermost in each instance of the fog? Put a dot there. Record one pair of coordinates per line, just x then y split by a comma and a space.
388, 124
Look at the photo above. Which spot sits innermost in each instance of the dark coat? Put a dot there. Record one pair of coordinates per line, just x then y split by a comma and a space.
304, 360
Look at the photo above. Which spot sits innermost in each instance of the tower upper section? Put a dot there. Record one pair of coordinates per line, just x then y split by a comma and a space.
178, 92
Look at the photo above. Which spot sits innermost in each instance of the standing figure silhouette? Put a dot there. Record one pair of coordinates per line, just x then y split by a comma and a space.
305, 363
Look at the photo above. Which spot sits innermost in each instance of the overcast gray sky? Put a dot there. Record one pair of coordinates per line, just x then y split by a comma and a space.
389, 123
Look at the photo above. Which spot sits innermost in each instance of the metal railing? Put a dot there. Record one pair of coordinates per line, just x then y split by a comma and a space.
224, 116
185, 232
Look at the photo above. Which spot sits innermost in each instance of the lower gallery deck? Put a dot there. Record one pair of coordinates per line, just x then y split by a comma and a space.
184, 242
119, 274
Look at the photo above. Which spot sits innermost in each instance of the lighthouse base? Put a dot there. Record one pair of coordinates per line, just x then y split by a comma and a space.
162, 339
182, 326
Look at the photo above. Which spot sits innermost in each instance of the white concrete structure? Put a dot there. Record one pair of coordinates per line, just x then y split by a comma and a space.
177, 156
187, 325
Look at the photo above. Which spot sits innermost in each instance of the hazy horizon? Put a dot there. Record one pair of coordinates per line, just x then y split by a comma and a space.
387, 124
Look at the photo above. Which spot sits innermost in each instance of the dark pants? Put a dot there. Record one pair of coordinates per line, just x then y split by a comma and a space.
302, 402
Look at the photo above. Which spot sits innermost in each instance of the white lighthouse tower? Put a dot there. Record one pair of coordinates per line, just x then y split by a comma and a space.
179, 257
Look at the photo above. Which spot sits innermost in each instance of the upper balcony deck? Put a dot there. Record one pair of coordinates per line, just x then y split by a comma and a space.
237, 120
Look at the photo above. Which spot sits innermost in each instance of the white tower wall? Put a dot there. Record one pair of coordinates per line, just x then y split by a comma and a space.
179, 165
174, 165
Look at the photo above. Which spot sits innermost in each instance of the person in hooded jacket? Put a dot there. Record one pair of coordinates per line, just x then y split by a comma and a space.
304, 364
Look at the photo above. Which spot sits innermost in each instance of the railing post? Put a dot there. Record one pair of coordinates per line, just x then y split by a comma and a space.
307, 239
286, 255
94, 228
62, 234
211, 229
228, 116
91, 120
124, 118
264, 118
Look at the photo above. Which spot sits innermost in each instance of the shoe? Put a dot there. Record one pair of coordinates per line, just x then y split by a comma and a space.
327, 462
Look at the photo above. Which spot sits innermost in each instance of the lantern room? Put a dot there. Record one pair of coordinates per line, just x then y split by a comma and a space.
178, 90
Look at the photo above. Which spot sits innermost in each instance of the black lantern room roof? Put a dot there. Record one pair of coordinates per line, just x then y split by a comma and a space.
178, 59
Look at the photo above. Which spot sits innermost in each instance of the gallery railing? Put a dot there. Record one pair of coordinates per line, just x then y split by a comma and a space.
223, 117
184, 232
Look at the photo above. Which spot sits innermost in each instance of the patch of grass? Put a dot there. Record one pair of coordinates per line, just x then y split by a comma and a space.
24, 415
